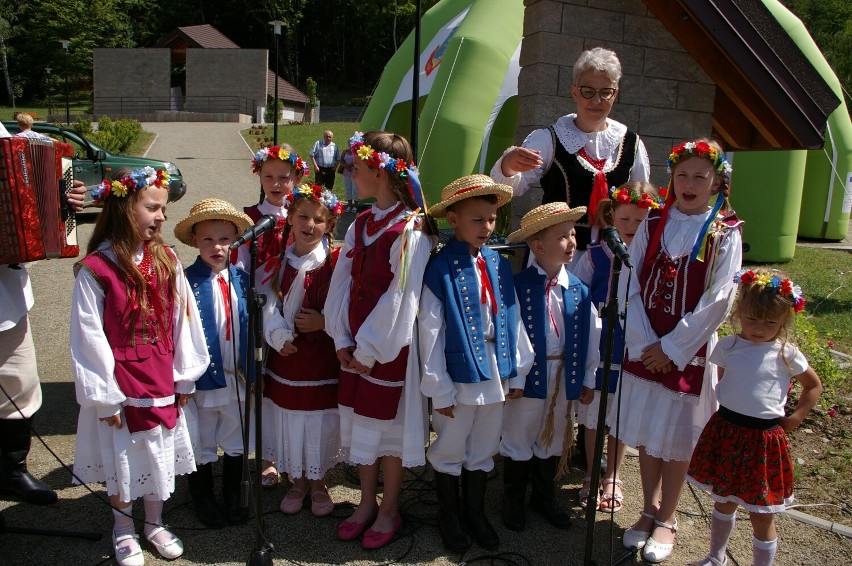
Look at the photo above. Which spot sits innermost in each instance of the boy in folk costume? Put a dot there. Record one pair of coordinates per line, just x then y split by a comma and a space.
220, 293
563, 325
474, 352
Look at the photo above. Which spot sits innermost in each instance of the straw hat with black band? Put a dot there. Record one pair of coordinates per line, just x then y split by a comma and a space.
467, 187
545, 216
210, 209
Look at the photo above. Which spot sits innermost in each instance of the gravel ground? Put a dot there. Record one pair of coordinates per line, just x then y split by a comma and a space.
215, 163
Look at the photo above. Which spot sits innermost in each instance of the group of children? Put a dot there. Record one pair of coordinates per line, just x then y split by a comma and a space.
359, 336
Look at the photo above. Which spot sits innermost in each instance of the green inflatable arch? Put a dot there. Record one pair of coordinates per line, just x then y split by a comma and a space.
468, 89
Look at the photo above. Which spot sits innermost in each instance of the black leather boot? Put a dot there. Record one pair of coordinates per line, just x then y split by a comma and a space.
473, 492
15, 437
203, 501
515, 476
449, 513
232, 477
543, 498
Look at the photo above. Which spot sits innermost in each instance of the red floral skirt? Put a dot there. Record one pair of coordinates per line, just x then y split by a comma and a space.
751, 467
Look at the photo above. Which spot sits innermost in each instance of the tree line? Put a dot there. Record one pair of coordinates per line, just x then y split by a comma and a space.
343, 44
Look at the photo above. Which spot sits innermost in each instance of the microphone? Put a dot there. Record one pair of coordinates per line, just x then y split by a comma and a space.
616, 245
265, 224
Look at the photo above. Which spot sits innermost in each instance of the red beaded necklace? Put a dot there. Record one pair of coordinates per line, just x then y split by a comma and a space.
146, 266
374, 226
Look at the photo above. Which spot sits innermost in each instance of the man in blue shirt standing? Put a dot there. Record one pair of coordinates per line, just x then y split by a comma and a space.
325, 157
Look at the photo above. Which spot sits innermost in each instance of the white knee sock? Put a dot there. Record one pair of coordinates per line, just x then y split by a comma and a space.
153, 512
124, 521
721, 528
763, 552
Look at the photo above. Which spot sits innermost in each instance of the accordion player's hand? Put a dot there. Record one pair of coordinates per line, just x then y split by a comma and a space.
77, 195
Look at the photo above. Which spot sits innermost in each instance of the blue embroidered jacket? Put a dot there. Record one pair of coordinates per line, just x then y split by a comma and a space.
600, 289
451, 276
530, 286
198, 275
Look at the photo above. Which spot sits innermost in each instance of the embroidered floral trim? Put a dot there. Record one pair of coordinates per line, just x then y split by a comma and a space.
150, 402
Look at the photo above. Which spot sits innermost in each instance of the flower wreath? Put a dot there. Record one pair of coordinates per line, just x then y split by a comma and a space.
772, 283
643, 200
376, 160
276, 152
316, 194
136, 180
698, 149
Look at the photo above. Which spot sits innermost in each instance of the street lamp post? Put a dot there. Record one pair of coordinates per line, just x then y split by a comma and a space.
65, 43
276, 28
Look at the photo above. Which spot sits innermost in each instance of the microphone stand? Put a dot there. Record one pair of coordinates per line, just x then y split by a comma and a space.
260, 556
611, 317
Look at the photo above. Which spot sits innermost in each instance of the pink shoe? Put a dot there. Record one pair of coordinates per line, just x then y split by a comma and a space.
293, 501
321, 503
350, 530
374, 539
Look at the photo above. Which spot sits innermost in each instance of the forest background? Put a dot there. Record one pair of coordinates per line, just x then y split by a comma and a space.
342, 44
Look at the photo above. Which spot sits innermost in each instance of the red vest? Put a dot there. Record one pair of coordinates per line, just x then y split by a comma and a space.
316, 359
269, 244
144, 356
371, 278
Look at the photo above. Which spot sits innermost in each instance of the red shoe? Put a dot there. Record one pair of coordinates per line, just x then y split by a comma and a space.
374, 539
350, 530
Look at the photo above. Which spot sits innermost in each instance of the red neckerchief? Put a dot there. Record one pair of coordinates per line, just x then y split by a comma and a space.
600, 190
226, 301
487, 289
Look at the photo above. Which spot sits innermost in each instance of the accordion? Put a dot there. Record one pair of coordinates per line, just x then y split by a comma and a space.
36, 221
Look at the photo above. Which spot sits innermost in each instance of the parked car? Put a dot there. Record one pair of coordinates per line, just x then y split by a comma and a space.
92, 164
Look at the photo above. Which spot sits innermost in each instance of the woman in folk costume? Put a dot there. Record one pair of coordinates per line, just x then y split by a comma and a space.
687, 254
583, 154
371, 309
137, 347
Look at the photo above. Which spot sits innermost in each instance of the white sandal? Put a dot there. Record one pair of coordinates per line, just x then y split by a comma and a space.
634, 538
609, 496
172, 549
655, 552
709, 561
130, 554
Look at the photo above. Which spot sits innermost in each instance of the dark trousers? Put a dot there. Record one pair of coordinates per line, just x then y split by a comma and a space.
325, 177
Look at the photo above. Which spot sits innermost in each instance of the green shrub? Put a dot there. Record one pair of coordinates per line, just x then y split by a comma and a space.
116, 135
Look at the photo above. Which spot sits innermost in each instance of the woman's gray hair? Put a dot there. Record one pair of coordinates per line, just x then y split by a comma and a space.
599, 60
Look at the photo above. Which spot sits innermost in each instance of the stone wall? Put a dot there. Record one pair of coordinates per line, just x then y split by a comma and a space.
664, 95
131, 81
225, 76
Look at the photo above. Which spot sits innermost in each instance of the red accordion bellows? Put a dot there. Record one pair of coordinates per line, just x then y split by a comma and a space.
35, 219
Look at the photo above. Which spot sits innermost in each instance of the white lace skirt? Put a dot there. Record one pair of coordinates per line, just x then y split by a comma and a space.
301, 443
131, 468
363, 440
665, 423
587, 415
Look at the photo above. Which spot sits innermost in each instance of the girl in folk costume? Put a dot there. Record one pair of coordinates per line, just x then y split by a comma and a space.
280, 169
137, 347
625, 209
687, 254
300, 418
742, 457
371, 309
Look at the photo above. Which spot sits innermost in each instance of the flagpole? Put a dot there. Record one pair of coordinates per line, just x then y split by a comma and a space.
415, 83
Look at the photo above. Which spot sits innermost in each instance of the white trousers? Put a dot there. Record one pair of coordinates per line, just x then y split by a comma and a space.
214, 427
468, 440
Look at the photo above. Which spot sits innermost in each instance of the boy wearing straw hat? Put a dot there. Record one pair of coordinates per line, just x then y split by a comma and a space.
221, 295
475, 353
564, 328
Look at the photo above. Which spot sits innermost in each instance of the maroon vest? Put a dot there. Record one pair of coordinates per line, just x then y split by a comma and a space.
316, 359
269, 244
144, 356
671, 288
371, 278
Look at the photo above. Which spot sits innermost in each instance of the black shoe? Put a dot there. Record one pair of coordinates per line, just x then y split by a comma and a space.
543, 498
473, 494
30, 489
232, 478
203, 501
449, 513
15, 438
515, 476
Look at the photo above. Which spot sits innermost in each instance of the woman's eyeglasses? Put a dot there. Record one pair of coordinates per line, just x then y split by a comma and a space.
589, 92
